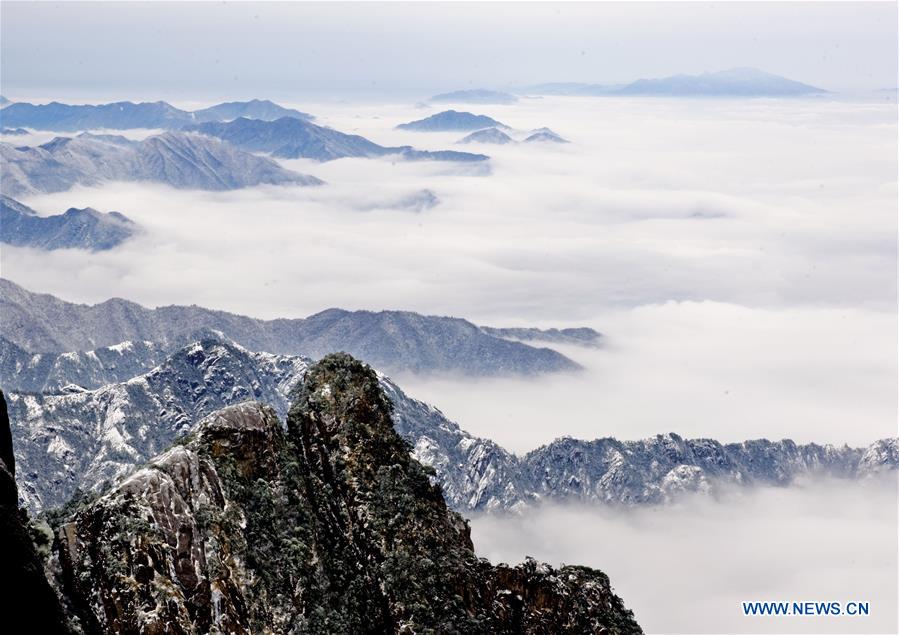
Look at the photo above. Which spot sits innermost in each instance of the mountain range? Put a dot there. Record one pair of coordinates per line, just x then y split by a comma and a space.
126, 115
736, 82
323, 525
496, 136
544, 135
177, 159
290, 138
75, 229
394, 341
475, 96
452, 120
83, 439
487, 135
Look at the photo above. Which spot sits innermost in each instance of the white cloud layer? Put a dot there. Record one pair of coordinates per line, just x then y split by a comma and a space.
701, 370
687, 568
759, 203
740, 257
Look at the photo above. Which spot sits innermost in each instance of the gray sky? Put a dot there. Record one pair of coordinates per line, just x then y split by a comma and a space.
203, 51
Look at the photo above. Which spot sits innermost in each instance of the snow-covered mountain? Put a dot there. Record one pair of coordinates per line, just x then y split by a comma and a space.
23, 371
321, 523
126, 115
394, 341
290, 138
174, 158
75, 229
83, 438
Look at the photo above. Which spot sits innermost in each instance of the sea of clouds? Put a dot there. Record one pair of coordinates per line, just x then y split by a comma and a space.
687, 567
739, 258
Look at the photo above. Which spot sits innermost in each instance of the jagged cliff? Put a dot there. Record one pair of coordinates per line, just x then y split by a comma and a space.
326, 526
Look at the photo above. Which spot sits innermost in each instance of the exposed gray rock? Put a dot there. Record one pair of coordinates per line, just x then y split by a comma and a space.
75, 229
173, 158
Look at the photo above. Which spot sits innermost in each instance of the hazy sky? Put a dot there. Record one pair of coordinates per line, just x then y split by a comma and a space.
196, 51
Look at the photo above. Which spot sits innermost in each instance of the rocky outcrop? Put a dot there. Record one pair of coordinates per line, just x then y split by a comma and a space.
327, 526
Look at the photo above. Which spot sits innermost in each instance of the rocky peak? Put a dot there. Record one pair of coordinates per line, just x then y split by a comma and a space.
327, 526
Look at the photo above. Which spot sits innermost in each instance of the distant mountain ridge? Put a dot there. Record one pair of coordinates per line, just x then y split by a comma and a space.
75, 229
126, 115
181, 160
395, 341
736, 82
487, 135
452, 120
82, 438
475, 96
289, 138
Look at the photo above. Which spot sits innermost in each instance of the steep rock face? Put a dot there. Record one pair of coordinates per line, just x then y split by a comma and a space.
21, 574
327, 527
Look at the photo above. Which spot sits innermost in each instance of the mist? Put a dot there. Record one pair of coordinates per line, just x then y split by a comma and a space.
766, 204
739, 257
687, 567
